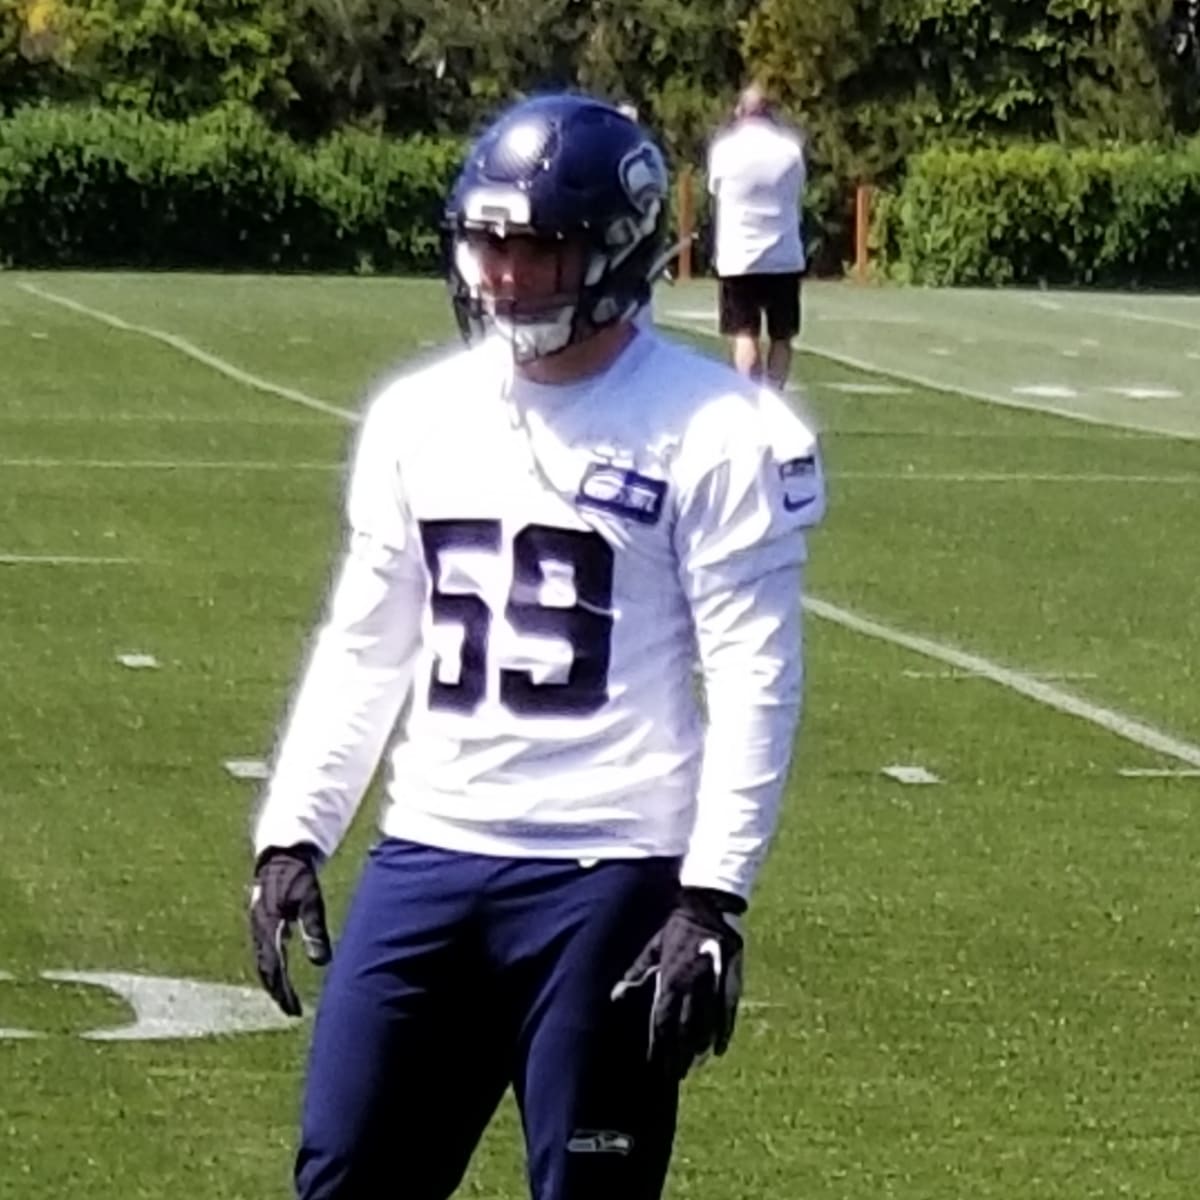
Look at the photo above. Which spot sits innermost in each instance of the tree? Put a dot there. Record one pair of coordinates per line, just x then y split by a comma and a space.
357, 61
422, 65
38, 43
874, 81
679, 63
884, 77
171, 58
1175, 36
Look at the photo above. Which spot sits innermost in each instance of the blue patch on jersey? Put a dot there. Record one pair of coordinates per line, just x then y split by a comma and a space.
797, 468
625, 493
792, 471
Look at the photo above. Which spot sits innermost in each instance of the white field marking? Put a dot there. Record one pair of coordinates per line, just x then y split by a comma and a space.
1090, 343
1049, 305
178, 1008
62, 560
941, 351
1129, 314
1043, 675
1123, 726
1143, 392
1123, 314
107, 464
194, 1070
1069, 353
866, 389
680, 320
247, 768
1194, 355
39, 336
266, 420
1159, 773
858, 319
1013, 477
1048, 391
192, 351
909, 774
138, 662
691, 314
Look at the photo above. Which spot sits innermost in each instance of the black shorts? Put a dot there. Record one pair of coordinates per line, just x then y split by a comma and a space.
745, 298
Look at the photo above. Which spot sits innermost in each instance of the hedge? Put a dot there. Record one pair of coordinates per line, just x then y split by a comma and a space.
104, 188
93, 187
1123, 216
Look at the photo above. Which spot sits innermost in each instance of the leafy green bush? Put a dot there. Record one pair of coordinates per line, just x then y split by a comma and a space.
92, 187
1126, 215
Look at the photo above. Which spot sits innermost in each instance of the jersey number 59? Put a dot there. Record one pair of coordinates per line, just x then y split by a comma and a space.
586, 625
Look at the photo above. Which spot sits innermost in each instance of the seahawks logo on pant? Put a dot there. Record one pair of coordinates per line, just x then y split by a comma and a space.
599, 1141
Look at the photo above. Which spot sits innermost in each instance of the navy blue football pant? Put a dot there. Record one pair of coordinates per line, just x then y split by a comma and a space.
459, 974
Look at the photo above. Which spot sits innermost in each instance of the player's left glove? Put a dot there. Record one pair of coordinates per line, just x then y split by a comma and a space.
695, 963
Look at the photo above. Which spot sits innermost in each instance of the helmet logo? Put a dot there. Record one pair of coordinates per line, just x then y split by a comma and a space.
643, 177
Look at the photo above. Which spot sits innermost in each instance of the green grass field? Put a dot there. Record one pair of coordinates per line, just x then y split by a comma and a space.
987, 987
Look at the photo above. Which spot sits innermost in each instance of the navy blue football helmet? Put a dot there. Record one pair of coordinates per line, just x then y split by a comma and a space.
557, 167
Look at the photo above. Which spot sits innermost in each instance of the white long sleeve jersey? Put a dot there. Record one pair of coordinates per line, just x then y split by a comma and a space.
539, 571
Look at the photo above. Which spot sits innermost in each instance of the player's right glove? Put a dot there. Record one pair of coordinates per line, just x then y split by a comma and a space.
286, 893
695, 963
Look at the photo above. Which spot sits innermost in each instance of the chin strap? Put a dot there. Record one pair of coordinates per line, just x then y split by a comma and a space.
659, 268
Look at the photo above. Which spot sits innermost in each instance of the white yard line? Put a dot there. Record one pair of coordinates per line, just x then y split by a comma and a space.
61, 560
1013, 477
1158, 773
925, 381
1144, 391
1072, 303
279, 417
1129, 314
1123, 726
1043, 675
680, 320
911, 773
856, 389
192, 351
105, 464
1047, 391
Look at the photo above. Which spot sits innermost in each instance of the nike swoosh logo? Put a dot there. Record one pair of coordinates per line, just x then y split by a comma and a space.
796, 505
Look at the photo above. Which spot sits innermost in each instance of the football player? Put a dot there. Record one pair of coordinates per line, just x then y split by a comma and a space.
546, 532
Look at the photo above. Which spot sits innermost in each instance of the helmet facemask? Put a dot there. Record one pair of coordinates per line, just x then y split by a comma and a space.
613, 284
533, 326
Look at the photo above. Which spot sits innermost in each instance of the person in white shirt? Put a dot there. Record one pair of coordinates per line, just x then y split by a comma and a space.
757, 175
546, 532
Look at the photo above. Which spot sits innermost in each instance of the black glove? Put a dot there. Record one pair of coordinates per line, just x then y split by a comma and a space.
695, 961
286, 893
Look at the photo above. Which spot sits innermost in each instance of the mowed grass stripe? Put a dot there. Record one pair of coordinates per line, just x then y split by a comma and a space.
1117, 722
983, 988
